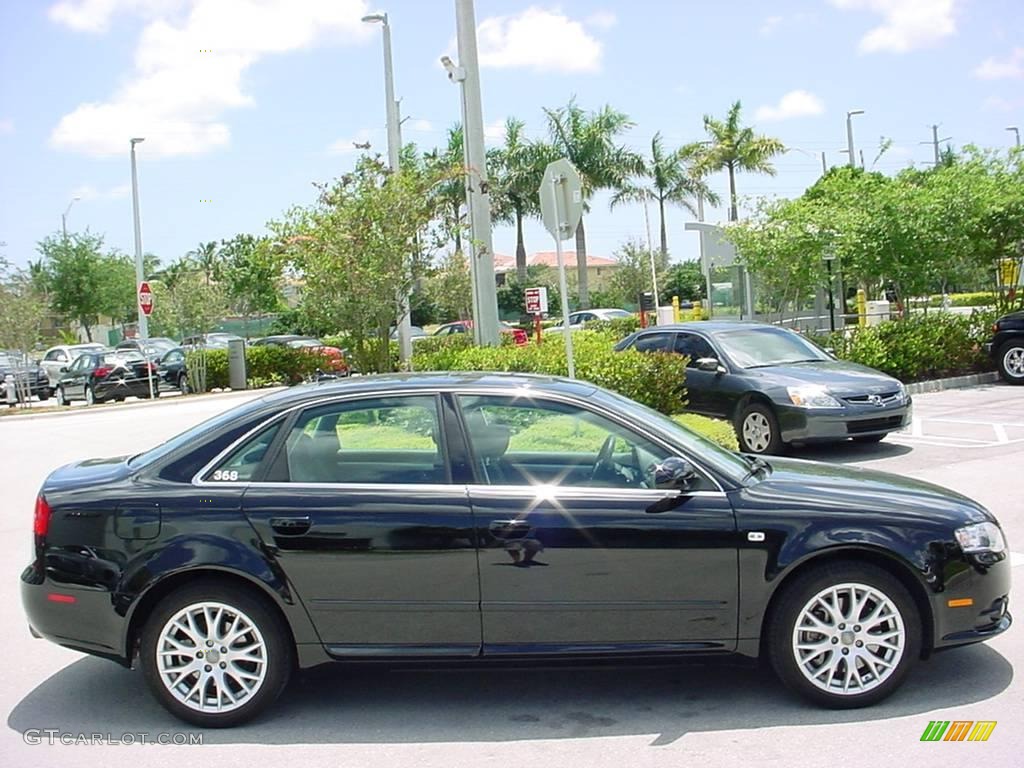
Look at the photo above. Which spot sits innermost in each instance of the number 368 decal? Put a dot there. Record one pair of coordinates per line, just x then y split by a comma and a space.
225, 474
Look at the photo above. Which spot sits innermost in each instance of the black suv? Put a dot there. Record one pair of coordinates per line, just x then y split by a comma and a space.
1007, 347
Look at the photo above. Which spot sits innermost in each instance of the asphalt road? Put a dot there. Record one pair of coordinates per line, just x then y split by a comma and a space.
720, 714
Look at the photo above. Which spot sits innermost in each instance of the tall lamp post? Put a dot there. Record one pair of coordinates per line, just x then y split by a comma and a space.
849, 135
64, 218
139, 273
1016, 132
394, 148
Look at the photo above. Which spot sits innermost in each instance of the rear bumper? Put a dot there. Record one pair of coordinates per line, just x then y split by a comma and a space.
808, 425
108, 390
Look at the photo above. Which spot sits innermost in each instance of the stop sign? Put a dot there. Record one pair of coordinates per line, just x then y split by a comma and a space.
145, 299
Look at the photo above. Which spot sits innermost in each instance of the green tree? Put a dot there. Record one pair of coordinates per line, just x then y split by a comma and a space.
668, 177
449, 194
206, 256
684, 280
23, 308
250, 271
734, 147
590, 141
450, 289
633, 275
184, 303
76, 276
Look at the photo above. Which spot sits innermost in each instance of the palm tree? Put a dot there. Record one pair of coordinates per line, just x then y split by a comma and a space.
206, 256
733, 147
451, 193
672, 177
587, 139
515, 178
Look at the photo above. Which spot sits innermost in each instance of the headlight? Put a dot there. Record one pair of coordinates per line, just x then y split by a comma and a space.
812, 396
981, 537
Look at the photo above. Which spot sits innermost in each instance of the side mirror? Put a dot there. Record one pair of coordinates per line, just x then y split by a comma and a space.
674, 474
710, 364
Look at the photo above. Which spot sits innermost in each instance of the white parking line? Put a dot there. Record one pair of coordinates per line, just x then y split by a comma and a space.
917, 434
1016, 558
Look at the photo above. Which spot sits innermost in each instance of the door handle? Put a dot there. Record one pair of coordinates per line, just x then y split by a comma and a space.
666, 503
508, 526
291, 526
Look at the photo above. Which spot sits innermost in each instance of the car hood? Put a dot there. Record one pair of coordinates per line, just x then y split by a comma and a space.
82, 474
840, 376
855, 490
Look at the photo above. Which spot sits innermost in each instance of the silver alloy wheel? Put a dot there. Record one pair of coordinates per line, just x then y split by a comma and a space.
757, 432
211, 657
183, 386
90, 396
60, 396
849, 639
1013, 362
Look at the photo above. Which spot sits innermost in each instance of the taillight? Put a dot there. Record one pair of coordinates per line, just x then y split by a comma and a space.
41, 520
102, 371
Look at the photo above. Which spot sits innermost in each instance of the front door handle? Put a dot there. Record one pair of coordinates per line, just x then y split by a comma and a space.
509, 526
291, 526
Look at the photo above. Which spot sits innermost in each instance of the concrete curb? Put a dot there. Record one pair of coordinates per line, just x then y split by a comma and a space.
956, 382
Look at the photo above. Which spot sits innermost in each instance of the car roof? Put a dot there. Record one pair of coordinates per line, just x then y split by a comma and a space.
713, 326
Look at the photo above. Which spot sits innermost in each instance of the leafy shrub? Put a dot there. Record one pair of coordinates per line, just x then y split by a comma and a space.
264, 365
656, 380
975, 299
716, 430
619, 327
365, 363
919, 347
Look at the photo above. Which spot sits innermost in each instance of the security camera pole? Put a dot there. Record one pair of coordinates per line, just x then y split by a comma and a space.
478, 197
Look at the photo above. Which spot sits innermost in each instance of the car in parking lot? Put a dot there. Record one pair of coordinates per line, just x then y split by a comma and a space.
27, 375
518, 335
97, 377
481, 517
153, 348
334, 356
1006, 347
217, 340
580, 319
172, 370
777, 387
62, 356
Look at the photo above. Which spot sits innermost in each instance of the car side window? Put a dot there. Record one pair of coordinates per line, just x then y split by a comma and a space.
387, 441
56, 355
653, 342
526, 441
695, 347
241, 464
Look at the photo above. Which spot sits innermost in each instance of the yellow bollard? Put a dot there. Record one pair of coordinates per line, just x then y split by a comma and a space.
675, 309
698, 312
862, 308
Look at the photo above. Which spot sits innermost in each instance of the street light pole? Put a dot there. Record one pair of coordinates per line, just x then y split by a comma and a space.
479, 197
139, 272
64, 218
650, 255
394, 149
849, 135
1016, 132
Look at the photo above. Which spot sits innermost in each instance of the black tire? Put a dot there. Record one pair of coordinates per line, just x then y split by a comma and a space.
43, 394
870, 438
791, 604
280, 651
90, 395
61, 398
762, 417
1010, 360
183, 386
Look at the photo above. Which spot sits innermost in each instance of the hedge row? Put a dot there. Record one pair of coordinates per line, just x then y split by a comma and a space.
657, 380
265, 366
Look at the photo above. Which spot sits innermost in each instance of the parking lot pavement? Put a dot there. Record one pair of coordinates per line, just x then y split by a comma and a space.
720, 714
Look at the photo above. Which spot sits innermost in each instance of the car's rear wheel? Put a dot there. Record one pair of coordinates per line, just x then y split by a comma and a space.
757, 429
61, 398
90, 395
214, 655
1011, 362
845, 635
43, 394
183, 384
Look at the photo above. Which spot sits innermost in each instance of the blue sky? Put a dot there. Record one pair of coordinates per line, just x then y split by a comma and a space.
288, 85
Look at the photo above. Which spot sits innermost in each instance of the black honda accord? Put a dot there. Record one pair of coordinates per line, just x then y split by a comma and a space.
490, 516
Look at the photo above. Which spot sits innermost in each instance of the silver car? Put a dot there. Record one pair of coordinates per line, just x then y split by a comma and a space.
62, 356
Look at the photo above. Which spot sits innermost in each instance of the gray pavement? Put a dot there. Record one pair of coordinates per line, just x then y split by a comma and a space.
721, 714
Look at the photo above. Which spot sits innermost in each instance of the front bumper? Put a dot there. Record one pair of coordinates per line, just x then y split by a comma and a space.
987, 586
809, 425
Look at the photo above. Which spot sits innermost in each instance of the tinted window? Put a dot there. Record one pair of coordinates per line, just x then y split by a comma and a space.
756, 347
390, 441
241, 464
522, 441
653, 342
56, 354
175, 356
693, 346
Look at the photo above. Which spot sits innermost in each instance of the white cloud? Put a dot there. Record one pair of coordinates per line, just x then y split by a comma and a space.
769, 25
89, 192
539, 40
188, 71
794, 104
996, 69
907, 24
602, 20
344, 146
95, 15
6, 126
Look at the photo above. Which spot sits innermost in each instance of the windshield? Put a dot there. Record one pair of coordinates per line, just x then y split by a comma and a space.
730, 464
758, 347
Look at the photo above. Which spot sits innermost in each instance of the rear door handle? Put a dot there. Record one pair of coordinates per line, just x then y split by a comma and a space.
291, 526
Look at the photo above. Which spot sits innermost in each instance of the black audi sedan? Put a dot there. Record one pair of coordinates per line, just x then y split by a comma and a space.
495, 517
776, 387
98, 377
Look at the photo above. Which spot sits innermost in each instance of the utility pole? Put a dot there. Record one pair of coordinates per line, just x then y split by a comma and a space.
824, 166
1016, 132
935, 142
139, 270
849, 135
478, 197
64, 218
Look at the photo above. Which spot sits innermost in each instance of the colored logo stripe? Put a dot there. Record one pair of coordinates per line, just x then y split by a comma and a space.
958, 730
982, 730
935, 730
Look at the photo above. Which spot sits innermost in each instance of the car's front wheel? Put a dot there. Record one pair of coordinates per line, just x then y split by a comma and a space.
183, 384
61, 397
215, 656
90, 395
757, 429
845, 635
1011, 361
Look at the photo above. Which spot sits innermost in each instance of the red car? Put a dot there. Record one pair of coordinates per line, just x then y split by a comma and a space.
335, 356
519, 336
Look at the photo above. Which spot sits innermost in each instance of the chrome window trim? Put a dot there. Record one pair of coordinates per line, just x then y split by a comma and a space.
582, 492
509, 391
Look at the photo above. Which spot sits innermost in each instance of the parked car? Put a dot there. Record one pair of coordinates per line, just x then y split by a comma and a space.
153, 348
27, 375
415, 332
259, 541
62, 356
172, 370
97, 377
1007, 347
336, 357
776, 386
519, 336
210, 340
580, 319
